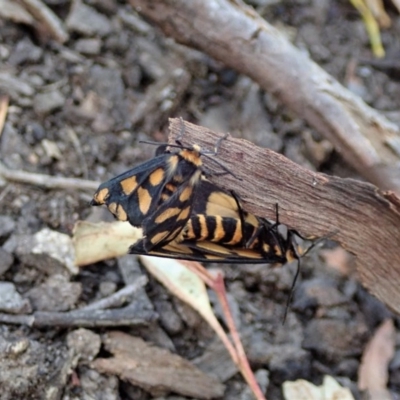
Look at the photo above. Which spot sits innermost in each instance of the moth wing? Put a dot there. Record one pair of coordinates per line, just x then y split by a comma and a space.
204, 251
168, 220
135, 193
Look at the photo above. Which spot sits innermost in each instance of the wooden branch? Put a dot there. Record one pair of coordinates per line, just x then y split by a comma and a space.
233, 33
364, 219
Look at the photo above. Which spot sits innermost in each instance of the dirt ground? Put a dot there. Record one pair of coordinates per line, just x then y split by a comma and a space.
79, 110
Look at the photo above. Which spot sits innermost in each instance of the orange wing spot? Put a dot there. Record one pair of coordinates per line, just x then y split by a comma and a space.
171, 187
185, 195
248, 254
184, 214
144, 200
168, 213
164, 197
159, 237
121, 213
192, 156
174, 234
178, 178
237, 236
267, 248
128, 185
156, 177
220, 203
278, 250
290, 256
101, 196
113, 208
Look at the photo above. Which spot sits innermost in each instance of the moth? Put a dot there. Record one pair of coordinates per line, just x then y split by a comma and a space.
158, 194
220, 231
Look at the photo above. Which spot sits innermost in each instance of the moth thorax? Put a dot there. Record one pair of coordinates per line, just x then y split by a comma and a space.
192, 155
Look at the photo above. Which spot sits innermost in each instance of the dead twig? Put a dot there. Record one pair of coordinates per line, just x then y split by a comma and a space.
127, 316
119, 298
46, 20
46, 181
364, 219
233, 33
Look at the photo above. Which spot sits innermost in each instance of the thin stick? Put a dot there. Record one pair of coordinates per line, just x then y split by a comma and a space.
46, 181
118, 298
127, 316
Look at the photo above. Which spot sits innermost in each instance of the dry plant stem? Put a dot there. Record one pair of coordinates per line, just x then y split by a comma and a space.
46, 181
118, 298
46, 20
219, 287
235, 34
236, 350
364, 219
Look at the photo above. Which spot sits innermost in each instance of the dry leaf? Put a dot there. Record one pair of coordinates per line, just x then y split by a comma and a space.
154, 369
373, 372
101, 241
304, 390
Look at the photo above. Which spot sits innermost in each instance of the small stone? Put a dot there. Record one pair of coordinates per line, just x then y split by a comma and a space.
6, 260
87, 21
96, 386
56, 294
88, 46
25, 51
216, 361
348, 367
169, 319
317, 292
11, 301
48, 251
84, 343
45, 103
107, 288
335, 339
7, 226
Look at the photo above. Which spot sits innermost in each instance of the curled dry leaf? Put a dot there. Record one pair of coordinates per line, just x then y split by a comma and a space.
304, 390
373, 373
96, 242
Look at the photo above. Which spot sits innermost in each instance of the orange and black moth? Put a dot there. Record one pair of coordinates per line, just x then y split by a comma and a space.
156, 195
183, 215
220, 231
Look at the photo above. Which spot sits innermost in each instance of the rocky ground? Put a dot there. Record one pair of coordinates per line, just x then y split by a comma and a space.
79, 109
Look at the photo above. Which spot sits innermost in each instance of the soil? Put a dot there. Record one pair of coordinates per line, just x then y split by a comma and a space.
80, 109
